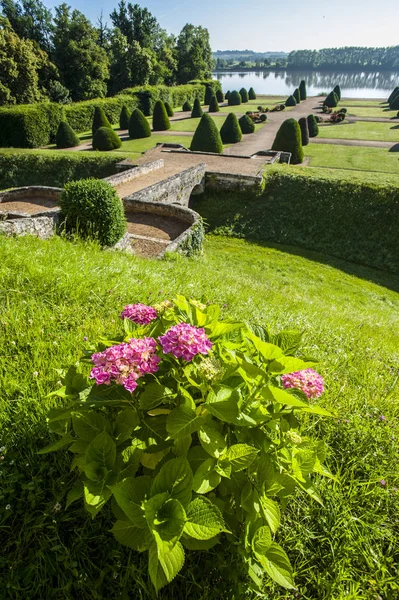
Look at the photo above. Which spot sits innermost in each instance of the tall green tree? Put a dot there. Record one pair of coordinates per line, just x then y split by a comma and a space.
194, 54
136, 23
82, 63
30, 19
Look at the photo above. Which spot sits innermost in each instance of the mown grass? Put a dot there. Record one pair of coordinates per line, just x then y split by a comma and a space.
354, 102
347, 157
360, 111
54, 294
361, 130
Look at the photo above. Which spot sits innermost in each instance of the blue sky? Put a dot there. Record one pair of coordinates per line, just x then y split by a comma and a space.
271, 24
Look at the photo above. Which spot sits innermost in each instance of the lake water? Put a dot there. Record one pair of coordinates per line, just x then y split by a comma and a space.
378, 84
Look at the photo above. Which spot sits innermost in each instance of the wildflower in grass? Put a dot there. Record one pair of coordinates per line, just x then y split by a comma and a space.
308, 381
125, 363
185, 341
383, 482
57, 507
139, 313
382, 418
8, 507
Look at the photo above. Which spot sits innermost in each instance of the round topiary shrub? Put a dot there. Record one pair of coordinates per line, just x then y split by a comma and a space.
99, 120
303, 124
124, 118
394, 105
244, 95
92, 209
302, 90
263, 118
197, 110
207, 137
230, 131
313, 127
208, 94
227, 94
213, 105
337, 91
331, 101
290, 101
219, 96
169, 109
251, 94
187, 106
106, 139
65, 136
246, 123
160, 119
289, 139
297, 95
234, 98
392, 94
139, 127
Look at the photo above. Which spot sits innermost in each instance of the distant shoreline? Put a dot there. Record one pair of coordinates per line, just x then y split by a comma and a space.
349, 69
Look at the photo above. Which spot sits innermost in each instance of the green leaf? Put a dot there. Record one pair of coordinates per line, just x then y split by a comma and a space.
212, 441
94, 471
288, 341
215, 330
131, 536
79, 447
206, 478
126, 421
193, 544
266, 350
102, 450
164, 563
130, 495
223, 467
277, 565
204, 520
87, 425
262, 540
288, 364
241, 456
224, 404
153, 395
183, 421
166, 517
175, 477
181, 447
317, 410
271, 393
271, 512
74, 494
152, 459
95, 497
57, 445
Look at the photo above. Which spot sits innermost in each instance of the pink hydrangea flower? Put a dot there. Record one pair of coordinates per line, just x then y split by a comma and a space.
185, 341
308, 381
125, 363
139, 313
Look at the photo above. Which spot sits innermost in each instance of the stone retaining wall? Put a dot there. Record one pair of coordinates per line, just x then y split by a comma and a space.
232, 181
42, 227
129, 171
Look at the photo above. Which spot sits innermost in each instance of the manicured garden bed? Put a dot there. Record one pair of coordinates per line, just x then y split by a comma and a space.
361, 130
348, 157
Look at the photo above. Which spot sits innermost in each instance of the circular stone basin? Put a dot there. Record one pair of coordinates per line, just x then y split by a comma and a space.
154, 225
30, 206
29, 200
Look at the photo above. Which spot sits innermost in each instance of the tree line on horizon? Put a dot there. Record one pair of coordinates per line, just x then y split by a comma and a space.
63, 57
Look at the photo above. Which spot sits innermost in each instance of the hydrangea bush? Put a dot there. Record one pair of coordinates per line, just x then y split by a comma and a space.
187, 426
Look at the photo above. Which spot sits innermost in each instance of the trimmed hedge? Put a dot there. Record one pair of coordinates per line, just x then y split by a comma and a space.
30, 126
393, 94
303, 124
99, 120
106, 139
219, 96
297, 95
139, 127
251, 94
66, 137
289, 139
124, 118
160, 119
187, 106
207, 137
227, 94
302, 90
244, 95
313, 127
230, 131
337, 92
197, 110
246, 124
332, 100
394, 105
80, 114
209, 93
49, 167
213, 105
169, 110
234, 98
92, 209
290, 101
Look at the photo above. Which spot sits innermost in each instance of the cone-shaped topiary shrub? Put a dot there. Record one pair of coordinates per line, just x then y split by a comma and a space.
302, 90
160, 119
313, 127
105, 139
99, 119
251, 94
337, 91
169, 109
207, 137
394, 105
197, 110
139, 127
289, 139
219, 96
303, 124
124, 118
230, 131
213, 105
246, 124
332, 100
92, 208
208, 94
244, 95
297, 95
290, 101
187, 106
392, 94
234, 98
227, 94
66, 137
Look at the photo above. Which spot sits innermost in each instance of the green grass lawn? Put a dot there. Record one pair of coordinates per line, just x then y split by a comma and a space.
145, 144
192, 124
347, 157
360, 111
54, 294
384, 132
355, 102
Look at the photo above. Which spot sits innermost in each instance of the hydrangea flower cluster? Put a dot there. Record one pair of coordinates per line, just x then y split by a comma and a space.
125, 363
185, 341
308, 381
139, 313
